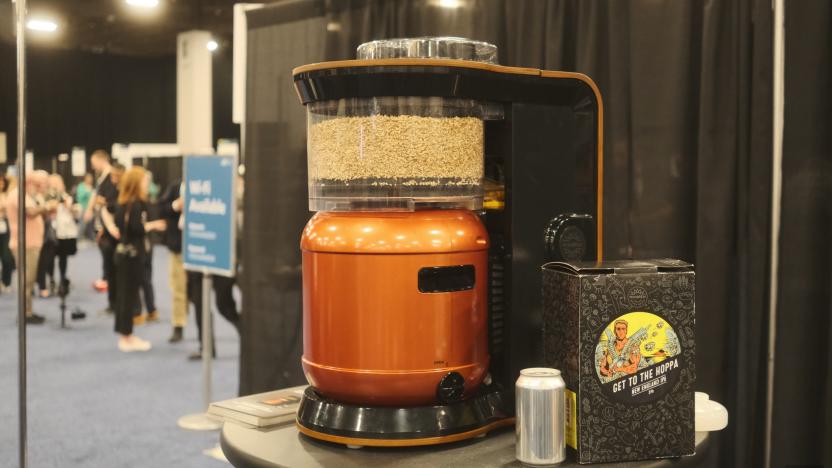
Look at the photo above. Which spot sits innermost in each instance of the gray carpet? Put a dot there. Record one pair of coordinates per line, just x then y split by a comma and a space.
93, 406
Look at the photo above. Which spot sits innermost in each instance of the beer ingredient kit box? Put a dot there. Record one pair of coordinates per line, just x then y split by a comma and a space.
622, 334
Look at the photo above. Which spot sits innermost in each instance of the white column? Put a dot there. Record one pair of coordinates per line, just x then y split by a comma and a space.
194, 110
238, 103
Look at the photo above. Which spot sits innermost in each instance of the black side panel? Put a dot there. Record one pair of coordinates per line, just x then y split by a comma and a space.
275, 203
551, 170
460, 82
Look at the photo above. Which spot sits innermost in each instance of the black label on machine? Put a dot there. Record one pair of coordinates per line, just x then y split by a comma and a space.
446, 279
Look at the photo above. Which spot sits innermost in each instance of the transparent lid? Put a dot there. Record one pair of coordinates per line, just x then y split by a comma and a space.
442, 47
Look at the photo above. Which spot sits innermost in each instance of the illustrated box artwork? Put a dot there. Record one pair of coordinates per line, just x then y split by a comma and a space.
622, 334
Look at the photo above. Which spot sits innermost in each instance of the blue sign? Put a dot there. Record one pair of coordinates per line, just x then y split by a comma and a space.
208, 237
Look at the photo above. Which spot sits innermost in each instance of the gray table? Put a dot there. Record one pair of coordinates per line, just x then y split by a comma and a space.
284, 446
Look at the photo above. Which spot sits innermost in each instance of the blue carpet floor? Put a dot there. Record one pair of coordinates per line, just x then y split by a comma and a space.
93, 406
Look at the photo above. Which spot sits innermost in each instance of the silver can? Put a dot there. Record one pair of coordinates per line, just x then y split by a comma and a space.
540, 425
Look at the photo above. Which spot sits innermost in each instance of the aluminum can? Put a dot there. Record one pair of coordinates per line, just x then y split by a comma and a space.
540, 425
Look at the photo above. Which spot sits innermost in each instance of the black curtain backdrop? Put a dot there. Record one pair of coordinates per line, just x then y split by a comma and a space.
222, 72
95, 100
687, 91
803, 377
90, 100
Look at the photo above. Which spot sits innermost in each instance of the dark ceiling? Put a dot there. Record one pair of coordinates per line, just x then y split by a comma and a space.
114, 27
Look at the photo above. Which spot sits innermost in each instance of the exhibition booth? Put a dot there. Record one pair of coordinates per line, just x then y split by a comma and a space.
487, 233
425, 295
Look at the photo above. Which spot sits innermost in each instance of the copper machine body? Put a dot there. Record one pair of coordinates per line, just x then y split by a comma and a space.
392, 303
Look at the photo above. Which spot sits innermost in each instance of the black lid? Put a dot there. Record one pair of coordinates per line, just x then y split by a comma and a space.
443, 78
661, 265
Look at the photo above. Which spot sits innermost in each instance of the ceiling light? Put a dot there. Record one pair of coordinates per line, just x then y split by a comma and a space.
450, 3
212, 45
143, 3
43, 25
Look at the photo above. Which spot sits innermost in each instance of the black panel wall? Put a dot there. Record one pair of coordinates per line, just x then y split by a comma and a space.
95, 100
82, 99
222, 72
275, 203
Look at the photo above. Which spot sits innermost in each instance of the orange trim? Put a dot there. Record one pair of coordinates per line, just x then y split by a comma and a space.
600, 194
403, 442
395, 232
439, 370
415, 62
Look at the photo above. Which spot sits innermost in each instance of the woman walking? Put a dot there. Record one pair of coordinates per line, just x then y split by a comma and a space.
127, 223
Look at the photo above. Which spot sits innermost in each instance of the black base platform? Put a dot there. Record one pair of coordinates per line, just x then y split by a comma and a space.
341, 423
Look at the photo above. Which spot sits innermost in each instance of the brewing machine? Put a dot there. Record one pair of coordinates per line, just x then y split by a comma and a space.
441, 182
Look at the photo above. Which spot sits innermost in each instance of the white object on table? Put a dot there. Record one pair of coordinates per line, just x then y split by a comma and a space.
710, 416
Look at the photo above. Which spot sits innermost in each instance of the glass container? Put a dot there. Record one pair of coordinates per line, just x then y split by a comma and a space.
399, 152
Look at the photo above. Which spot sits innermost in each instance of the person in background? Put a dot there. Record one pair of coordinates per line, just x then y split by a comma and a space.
46, 261
106, 194
66, 228
6, 259
100, 163
223, 292
116, 174
147, 278
152, 188
126, 221
32, 214
83, 193
170, 209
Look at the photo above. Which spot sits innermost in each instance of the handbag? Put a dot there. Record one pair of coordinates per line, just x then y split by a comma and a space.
65, 225
124, 251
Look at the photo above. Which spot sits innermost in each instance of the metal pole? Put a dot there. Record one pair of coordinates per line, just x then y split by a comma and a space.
207, 335
778, 106
202, 421
20, 13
